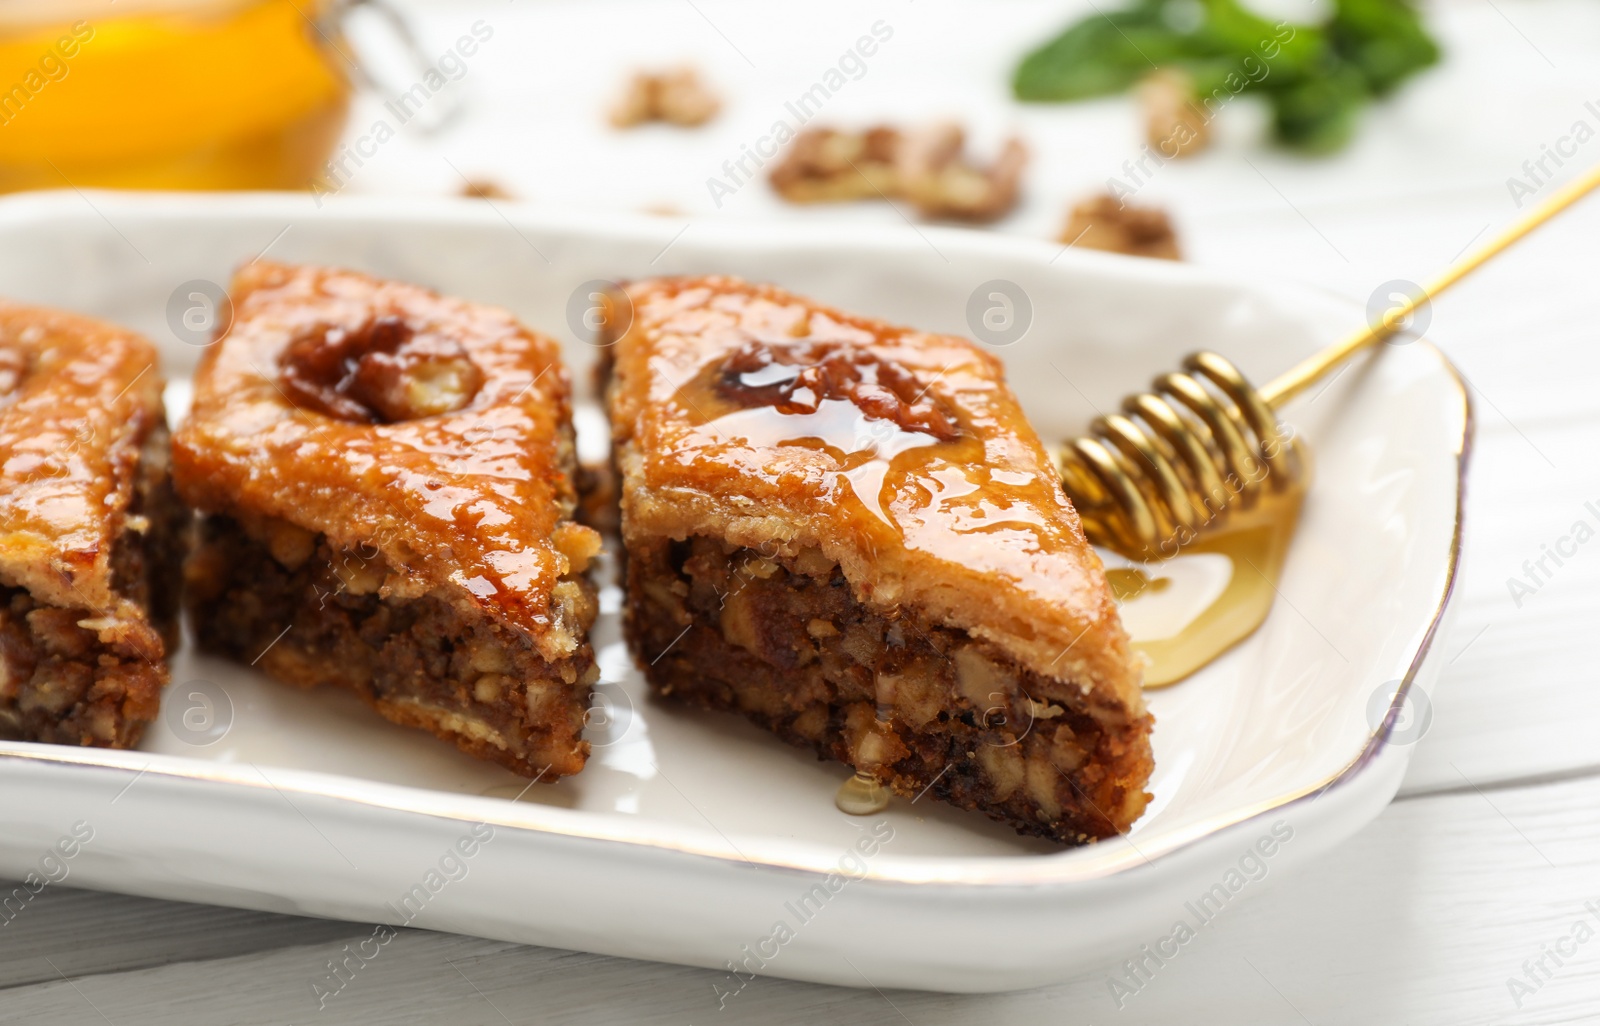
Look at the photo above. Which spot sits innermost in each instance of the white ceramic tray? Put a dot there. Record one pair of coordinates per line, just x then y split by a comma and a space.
690, 838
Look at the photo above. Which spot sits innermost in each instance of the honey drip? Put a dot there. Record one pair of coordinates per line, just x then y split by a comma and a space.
861, 795
1184, 612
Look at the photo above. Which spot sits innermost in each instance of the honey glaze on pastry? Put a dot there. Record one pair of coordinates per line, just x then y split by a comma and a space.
382, 371
90, 531
388, 475
847, 531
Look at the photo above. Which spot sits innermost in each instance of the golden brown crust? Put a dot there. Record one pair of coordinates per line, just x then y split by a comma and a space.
827, 517
87, 529
388, 481
480, 497
78, 398
974, 531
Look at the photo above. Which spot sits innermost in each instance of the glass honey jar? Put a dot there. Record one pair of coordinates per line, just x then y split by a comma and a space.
169, 94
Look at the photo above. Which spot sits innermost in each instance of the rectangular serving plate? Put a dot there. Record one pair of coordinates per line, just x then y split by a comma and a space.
695, 838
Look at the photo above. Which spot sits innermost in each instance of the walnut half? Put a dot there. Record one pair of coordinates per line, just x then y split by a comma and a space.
380, 372
935, 176
825, 165
677, 97
926, 166
1104, 222
1175, 123
798, 377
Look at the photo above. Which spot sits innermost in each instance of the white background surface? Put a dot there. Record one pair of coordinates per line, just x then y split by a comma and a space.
1486, 859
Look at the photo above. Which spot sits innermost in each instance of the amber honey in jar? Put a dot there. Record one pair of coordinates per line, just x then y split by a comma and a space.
169, 94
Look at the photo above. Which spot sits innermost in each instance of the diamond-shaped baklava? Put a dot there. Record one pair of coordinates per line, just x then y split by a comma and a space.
848, 532
386, 477
90, 532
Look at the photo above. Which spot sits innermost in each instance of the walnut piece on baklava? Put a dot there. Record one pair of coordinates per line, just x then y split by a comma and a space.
386, 481
847, 531
90, 531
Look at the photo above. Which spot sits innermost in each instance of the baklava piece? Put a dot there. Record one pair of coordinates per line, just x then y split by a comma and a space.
386, 481
847, 532
90, 531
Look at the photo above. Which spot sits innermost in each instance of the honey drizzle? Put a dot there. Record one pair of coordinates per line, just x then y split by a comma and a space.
861, 795
1255, 542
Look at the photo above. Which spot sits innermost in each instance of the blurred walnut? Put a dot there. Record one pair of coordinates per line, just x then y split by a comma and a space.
934, 176
678, 97
484, 188
829, 166
1105, 222
926, 167
1175, 124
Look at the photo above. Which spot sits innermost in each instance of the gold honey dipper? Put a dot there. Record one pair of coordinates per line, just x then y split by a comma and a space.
1202, 454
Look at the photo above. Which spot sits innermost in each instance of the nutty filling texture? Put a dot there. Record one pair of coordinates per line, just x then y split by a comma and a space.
914, 704
59, 683
147, 560
422, 658
63, 683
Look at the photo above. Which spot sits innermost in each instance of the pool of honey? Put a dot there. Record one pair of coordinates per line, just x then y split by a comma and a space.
1186, 611
248, 94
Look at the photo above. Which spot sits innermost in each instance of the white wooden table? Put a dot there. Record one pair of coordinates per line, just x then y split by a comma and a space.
1484, 864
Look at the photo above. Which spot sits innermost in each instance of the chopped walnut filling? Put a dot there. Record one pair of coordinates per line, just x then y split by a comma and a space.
923, 708
677, 97
382, 372
419, 654
796, 378
60, 683
927, 167
1105, 223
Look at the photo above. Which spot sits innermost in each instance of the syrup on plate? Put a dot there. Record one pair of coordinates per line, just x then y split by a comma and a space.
1182, 613
861, 796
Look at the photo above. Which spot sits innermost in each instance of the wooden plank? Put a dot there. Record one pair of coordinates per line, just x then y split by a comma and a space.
1421, 919
63, 930
1517, 696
